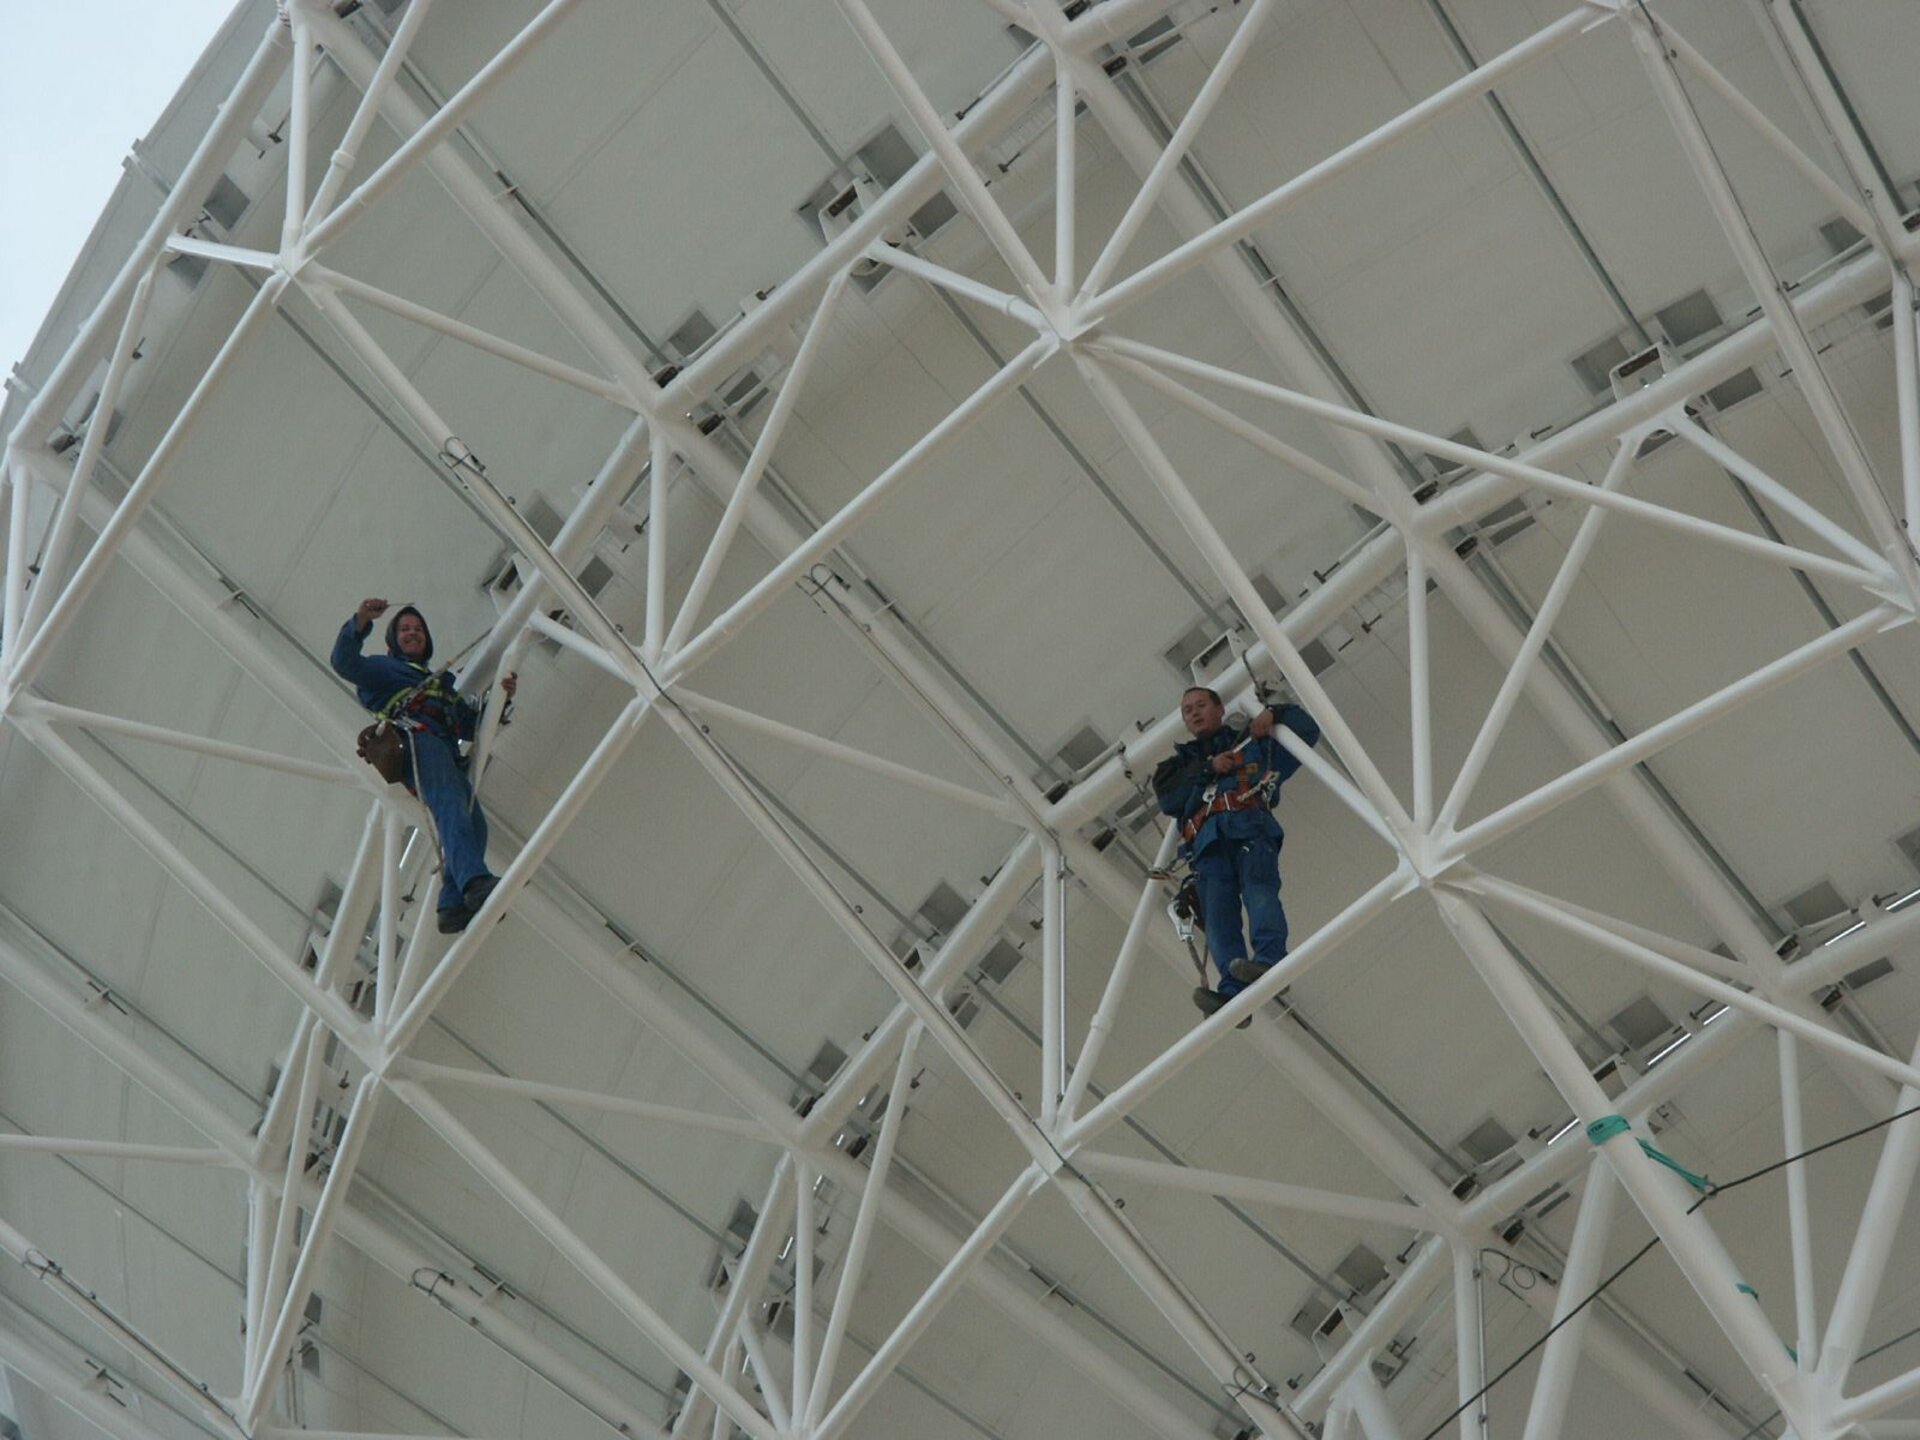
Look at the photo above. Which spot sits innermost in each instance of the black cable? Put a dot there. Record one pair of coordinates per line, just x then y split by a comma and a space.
1640, 1254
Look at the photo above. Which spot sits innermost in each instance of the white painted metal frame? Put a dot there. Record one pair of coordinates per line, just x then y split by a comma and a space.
1429, 859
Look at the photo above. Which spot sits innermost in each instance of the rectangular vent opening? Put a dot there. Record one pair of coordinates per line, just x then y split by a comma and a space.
1487, 1141
1595, 367
1868, 973
594, 578
943, 908
1689, 318
1082, 748
1640, 1024
1734, 389
690, 334
226, 203
1362, 1270
1000, 962
1815, 904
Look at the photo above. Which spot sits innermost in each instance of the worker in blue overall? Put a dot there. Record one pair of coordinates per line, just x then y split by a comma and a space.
434, 719
1220, 788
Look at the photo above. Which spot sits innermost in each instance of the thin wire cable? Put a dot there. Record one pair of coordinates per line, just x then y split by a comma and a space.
1641, 1254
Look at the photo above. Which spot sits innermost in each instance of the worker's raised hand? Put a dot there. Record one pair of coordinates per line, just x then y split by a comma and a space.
1262, 726
370, 610
510, 682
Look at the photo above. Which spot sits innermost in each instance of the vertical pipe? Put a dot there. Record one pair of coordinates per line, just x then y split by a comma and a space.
308, 1089
53, 557
1065, 184
299, 131
1101, 1025
1906, 397
127, 513
748, 483
386, 972
1547, 1411
1469, 1337
804, 1228
853, 1265
659, 463
1053, 1018
1420, 688
1794, 1136
19, 516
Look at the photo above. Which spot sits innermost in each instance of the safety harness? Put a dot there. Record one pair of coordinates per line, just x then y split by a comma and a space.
1214, 801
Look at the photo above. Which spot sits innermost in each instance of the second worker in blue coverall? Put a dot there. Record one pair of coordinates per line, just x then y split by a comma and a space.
1220, 787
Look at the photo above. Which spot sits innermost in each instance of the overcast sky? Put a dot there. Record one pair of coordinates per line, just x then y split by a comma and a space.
80, 81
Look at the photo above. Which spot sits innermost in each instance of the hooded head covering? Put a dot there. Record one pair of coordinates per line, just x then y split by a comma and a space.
393, 636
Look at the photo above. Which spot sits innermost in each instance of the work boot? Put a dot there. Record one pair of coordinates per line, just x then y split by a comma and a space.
453, 920
1247, 969
1210, 1002
477, 890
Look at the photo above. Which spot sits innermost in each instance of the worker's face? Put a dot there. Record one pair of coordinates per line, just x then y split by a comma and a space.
1202, 713
411, 632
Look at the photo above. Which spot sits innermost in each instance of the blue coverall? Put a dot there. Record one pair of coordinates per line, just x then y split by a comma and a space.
435, 770
1235, 853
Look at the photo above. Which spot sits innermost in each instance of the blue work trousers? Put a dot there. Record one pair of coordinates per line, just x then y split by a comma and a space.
1235, 872
434, 774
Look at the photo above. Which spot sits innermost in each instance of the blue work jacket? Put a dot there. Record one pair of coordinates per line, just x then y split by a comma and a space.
1185, 782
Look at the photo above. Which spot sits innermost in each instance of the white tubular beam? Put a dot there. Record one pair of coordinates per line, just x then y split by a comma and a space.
816, 546
116, 1150
1469, 1359
1053, 983
588, 1099
583, 1257
770, 1389
1522, 665
745, 1283
709, 708
1066, 190
1706, 961
659, 473
1906, 396
76, 1390
338, 1015
1246, 598
553, 825
39, 646
347, 153
1689, 1238
53, 551
279, 1256
1727, 458
92, 720
1547, 1411
1655, 738
1795, 345
1434, 519
1260, 439
183, 202
1873, 1403
440, 128
805, 1228
1873, 1241
969, 189
853, 1265
933, 1299
1842, 199
570, 548
945, 1030
1778, 1016
481, 340
1176, 149
299, 131
965, 286
1419, 690
321, 1221
1321, 1395
1126, 1098
1370, 1406
19, 516
969, 940
1101, 1025
1301, 1198
1249, 218
1799, 1225
387, 940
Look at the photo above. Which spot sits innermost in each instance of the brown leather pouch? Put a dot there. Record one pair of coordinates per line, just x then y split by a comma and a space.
382, 747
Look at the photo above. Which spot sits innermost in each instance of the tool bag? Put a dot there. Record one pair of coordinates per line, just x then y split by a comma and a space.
382, 746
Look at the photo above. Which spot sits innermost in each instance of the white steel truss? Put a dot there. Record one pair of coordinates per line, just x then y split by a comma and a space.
1427, 856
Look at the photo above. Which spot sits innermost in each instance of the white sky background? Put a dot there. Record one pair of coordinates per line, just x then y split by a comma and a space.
80, 81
